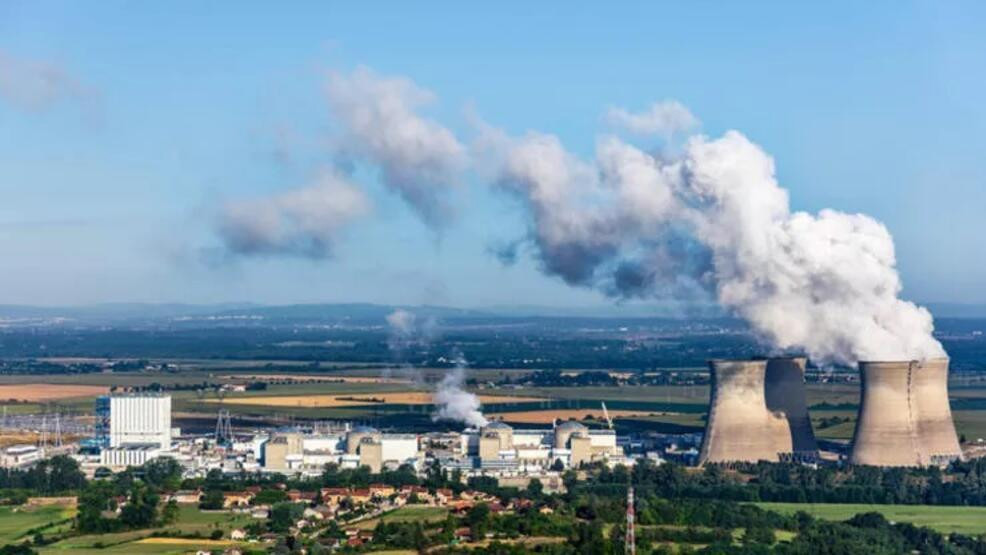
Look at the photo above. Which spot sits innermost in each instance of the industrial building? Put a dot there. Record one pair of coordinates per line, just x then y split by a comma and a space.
499, 447
140, 419
139, 428
904, 415
294, 452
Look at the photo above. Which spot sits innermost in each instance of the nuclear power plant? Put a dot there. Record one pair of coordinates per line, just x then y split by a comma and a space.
758, 412
904, 415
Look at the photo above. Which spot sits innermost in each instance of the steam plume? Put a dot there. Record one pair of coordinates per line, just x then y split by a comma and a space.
300, 222
665, 118
454, 402
418, 158
713, 220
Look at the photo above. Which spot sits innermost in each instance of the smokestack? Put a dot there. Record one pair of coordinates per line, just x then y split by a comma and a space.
785, 395
740, 428
904, 415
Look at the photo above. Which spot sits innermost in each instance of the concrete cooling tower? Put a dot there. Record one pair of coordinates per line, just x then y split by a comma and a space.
904, 415
785, 395
740, 427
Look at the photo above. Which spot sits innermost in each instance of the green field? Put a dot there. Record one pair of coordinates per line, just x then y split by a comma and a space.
16, 522
190, 521
410, 513
965, 520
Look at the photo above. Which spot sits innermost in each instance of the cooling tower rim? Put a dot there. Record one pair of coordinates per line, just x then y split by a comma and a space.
789, 357
904, 361
746, 359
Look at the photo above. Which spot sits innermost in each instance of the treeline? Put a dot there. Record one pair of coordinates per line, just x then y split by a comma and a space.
52, 476
963, 483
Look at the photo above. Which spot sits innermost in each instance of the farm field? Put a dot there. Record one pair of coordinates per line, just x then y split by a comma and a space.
549, 416
965, 520
32, 392
410, 513
15, 522
402, 398
191, 520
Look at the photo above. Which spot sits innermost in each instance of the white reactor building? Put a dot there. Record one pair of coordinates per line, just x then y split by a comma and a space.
140, 419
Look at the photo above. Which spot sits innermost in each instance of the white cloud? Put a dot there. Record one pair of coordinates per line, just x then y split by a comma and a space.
418, 158
301, 222
665, 118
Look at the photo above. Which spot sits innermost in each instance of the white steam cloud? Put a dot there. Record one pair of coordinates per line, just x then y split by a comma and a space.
713, 220
418, 158
666, 118
703, 220
454, 402
378, 123
450, 396
301, 222
401, 322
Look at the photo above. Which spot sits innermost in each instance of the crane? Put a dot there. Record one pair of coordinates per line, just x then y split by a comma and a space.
609, 421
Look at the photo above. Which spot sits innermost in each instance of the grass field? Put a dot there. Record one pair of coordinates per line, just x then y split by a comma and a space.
190, 521
410, 513
15, 522
965, 520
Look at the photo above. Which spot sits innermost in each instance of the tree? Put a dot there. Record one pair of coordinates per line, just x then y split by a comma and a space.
169, 515
141, 509
759, 534
478, 520
284, 515
212, 500
535, 488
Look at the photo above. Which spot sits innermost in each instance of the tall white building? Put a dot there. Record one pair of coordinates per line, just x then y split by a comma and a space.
140, 419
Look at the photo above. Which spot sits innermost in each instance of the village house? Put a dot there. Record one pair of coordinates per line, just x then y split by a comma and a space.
186, 496
382, 490
236, 499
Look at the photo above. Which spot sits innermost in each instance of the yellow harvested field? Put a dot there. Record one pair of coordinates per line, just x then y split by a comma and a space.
359, 399
548, 416
49, 392
188, 541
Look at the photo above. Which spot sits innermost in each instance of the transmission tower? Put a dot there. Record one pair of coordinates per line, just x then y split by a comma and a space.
224, 428
44, 432
630, 543
58, 430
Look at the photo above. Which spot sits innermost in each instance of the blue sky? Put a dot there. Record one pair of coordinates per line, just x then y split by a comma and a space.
166, 111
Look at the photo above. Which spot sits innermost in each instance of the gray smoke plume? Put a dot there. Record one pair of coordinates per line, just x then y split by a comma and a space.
454, 402
300, 222
713, 220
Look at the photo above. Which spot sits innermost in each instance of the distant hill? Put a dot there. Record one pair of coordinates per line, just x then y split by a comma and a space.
957, 310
